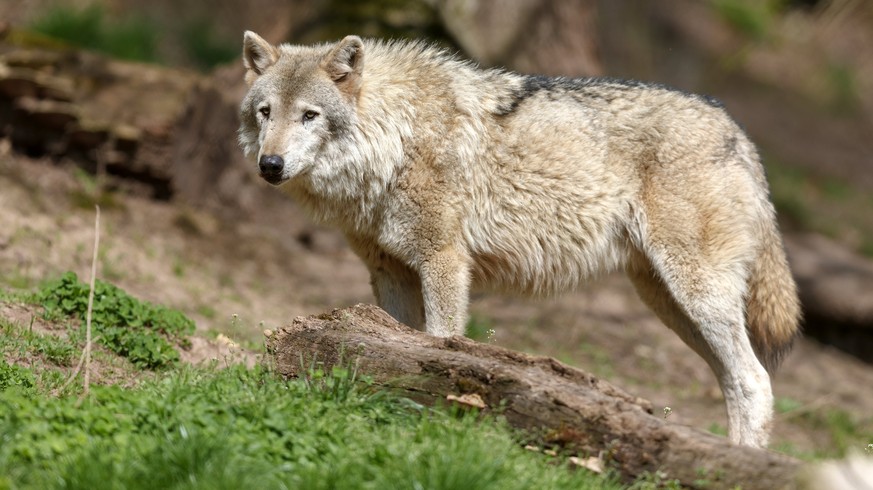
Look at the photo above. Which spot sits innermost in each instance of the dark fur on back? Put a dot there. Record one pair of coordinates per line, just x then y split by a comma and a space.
589, 87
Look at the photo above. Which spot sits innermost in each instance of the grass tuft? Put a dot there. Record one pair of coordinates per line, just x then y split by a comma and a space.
15, 376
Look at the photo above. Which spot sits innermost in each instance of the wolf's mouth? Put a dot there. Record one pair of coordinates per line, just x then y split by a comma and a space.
274, 179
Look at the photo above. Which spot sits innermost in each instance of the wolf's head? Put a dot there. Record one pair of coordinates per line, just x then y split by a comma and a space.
301, 102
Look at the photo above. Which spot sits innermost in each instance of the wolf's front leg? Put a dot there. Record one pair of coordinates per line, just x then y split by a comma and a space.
445, 286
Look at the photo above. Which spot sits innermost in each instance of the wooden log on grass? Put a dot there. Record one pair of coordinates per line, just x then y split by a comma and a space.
555, 403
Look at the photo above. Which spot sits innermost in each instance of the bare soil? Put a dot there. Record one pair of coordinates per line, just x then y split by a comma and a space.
240, 278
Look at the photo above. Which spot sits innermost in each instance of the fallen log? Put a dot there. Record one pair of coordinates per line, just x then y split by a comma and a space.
557, 404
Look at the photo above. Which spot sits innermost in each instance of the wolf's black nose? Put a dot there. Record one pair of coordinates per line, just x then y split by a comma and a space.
271, 164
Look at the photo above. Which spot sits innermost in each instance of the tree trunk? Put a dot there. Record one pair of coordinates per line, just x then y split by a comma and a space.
557, 404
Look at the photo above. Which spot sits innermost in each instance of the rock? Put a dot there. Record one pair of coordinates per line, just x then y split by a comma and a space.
836, 291
530, 36
46, 113
99, 113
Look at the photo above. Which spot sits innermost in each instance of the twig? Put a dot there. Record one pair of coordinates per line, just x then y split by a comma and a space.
85, 359
74, 373
91, 303
76, 370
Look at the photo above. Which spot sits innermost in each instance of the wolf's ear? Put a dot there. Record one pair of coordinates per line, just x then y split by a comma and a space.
345, 64
258, 54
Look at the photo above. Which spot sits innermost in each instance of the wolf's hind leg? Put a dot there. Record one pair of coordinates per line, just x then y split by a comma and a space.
705, 308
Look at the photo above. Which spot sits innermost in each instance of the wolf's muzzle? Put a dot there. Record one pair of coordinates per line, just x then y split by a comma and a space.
271, 165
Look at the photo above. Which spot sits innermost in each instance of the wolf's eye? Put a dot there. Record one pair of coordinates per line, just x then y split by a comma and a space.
309, 115
265, 111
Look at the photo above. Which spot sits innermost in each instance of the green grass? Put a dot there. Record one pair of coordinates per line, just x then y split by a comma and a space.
480, 328
200, 427
143, 332
243, 332
718, 429
15, 376
846, 432
785, 405
657, 480
18, 340
240, 428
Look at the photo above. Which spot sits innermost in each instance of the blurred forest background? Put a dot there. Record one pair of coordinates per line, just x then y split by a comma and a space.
798, 74
133, 104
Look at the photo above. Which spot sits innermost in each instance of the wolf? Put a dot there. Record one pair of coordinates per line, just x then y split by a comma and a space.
444, 176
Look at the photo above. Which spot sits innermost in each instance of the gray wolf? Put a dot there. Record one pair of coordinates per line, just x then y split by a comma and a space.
444, 177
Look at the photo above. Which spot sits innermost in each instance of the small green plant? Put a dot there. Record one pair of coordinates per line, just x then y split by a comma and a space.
718, 429
91, 191
786, 405
141, 331
706, 477
340, 384
655, 480
12, 375
480, 329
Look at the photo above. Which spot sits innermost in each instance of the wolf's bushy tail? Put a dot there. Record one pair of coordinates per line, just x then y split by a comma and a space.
772, 306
